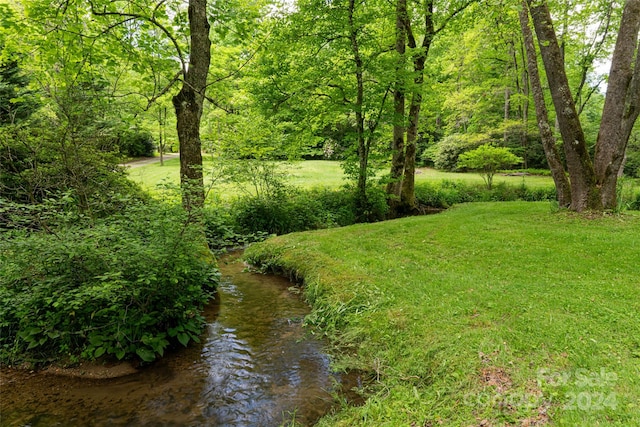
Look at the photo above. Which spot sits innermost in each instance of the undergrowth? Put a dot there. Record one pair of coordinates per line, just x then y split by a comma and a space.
127, 286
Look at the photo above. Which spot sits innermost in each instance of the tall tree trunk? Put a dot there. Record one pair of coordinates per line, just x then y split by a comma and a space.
563, 189
408, 193
188, 105
524, 135
397, 145
363, 151
162, 120
621, 106
507, 111
408, 198
585, 194
507, 90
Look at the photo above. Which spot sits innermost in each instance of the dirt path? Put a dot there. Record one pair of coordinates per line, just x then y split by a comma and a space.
149, 160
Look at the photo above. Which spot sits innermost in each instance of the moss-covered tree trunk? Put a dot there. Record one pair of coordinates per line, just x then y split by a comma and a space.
188, 105
585, 194
551, 152
397, 144
362, 146
408, 196
594, 184
622, 105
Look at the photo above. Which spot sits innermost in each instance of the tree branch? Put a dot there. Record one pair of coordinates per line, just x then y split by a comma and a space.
166, 89
151, 20
453, 14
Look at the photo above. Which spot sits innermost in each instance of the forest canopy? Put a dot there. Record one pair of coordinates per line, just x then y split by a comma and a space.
373, 84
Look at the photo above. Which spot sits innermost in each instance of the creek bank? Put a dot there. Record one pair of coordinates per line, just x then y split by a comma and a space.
254, 366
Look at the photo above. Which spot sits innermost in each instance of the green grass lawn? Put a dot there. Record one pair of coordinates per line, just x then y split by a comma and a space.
531, 181
492, 314
321, 173
149, 176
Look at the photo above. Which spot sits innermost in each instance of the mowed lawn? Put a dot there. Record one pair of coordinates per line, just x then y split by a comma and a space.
319, 173
489, 314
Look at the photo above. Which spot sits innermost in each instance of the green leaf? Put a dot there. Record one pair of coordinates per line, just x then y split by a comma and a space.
183, 338
146, 355
96, 340
99, 352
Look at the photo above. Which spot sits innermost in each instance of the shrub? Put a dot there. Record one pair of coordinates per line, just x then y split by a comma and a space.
635, 205
136, 143
632, 163
338, 205
522, 141
39, 163
129, 286
487, 159
222, 231
446, 152
376, 207
300, 210
446, 193
283, 213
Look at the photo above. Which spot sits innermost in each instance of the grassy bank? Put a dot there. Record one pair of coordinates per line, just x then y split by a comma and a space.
488, 314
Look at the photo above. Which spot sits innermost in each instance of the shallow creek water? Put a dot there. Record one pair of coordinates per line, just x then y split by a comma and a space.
254, 367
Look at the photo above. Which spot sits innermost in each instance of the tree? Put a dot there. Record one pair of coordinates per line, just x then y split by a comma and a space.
594, 187
68, 148
552, 154
188, 102
488, 159
16, 101
16, 104
622, 105
402, 174
327, 66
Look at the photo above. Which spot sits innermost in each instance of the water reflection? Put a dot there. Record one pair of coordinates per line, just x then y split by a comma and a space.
254, 368
261, 369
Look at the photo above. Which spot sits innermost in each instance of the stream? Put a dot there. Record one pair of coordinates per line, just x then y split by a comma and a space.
254, 367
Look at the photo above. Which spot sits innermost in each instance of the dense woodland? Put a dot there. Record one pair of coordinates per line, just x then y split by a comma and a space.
552, 86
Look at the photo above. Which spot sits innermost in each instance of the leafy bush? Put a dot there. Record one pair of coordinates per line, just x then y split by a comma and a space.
523, 141
445, 153
296, 210
632, 163
136, 143
129, 286
286, 212
528, 171
635, 205
446, 193
38, 162
338, 205
222, 232
487, 159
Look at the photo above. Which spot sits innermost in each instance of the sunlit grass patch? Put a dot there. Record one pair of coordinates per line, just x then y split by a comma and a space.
505, 312
324, 173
